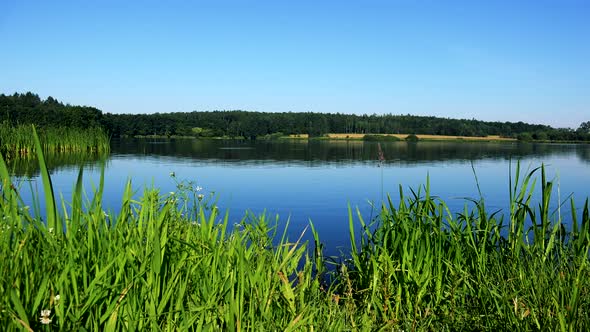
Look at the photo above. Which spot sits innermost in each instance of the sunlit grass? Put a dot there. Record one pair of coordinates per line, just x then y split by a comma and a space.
18, 141
171, 261
421, 267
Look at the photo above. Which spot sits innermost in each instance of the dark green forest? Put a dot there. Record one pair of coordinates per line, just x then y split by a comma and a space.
29, 108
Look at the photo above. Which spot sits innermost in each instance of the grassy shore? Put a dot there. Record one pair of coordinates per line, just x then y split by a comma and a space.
18, 142
171, 261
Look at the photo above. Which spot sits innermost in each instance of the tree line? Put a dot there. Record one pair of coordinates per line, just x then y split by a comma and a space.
29, 108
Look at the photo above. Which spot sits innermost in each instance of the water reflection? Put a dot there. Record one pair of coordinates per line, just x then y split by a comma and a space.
349, 152
583, 152
29, 166
301, 152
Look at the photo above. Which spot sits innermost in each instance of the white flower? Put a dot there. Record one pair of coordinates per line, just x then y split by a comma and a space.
44, 319
50, 229
198, 188
56, 298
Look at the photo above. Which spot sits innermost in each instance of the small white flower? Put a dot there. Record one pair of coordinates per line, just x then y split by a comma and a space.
56, 298
198, 188
44, 319
50, 229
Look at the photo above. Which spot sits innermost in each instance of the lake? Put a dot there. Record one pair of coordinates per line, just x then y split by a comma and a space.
317, 180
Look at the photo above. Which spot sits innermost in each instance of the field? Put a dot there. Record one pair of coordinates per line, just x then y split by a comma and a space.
172, 261
492, 138
427, 137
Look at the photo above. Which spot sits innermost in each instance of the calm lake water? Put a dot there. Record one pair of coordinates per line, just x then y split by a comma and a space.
318, 180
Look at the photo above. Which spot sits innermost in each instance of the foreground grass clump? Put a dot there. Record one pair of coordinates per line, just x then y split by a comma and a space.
18, 141
162, 264
420, 267
171, 262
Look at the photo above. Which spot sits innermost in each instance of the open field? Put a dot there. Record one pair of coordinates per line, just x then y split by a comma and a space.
403, 136
172, 261
425, 137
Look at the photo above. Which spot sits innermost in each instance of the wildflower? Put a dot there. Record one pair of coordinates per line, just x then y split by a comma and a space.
56, 298
50, 229
44, 319
200, 197
172, 174
198, 188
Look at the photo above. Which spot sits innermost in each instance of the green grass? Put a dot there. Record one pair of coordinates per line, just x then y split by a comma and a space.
424, 268
172, 262
18, 141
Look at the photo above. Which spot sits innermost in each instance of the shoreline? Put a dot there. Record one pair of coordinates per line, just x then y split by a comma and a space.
360, 137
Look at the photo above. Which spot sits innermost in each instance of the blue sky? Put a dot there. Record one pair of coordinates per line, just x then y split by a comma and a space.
490, 60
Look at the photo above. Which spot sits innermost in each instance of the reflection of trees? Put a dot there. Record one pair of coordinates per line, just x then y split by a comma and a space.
583, 152
295, 151
29, 167
302, 152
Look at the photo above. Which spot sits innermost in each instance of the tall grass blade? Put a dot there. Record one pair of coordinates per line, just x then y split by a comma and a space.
50, 205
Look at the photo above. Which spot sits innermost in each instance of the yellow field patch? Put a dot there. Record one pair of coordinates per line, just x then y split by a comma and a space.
299, 136
427, 137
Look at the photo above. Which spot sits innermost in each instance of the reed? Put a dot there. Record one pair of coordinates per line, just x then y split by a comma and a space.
17, 141
421, 267
171, 261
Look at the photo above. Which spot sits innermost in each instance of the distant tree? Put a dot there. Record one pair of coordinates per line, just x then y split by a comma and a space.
540, 136
584, 127
525, 137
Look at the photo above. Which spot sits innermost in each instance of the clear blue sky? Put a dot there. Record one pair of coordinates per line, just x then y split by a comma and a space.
492, 60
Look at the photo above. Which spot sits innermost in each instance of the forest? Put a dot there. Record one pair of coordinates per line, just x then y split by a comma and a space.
29, 108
